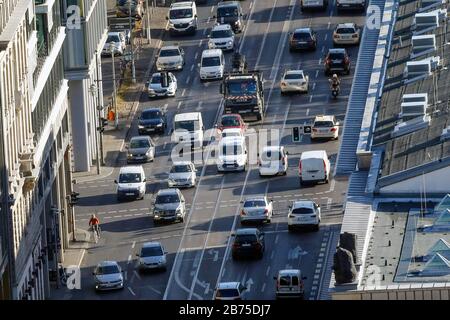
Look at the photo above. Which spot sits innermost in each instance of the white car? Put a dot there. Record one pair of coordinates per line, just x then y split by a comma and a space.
325, 127
182, 174
273, 160
257, 209
152, 256
304, 213
212, 65
170, 58
232, 132
158, 88
116, 43
346, 33
221, 37
108, 276
229, 291
294, 81
232, 154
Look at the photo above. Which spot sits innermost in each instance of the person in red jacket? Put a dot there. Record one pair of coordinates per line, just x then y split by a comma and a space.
94, 222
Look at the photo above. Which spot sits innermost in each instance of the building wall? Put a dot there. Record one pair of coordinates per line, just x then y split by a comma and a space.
411, 291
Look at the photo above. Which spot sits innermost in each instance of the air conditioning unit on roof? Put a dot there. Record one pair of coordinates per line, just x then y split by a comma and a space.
445, 135
425, 22
412, 125
430, 4
414, 105
417, 69
423, 44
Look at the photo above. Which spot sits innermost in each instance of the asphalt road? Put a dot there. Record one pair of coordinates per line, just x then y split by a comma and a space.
199, 254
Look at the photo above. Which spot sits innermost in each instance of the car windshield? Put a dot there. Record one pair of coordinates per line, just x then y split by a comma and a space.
230, 122
221, 34
336, 55
169, 53
269, 156
167, 198
285, 281
242, 87
245, 238
345, 30
181, 168
129, 178
227, 293
231, 150
156, 79
189, 125
227, 133
301, 36
227, 12
180, 13
293, 76
254, 203
107, 270
327, 124
148, 115
139, 143
151, 251
211, 62
303, 211
113, 38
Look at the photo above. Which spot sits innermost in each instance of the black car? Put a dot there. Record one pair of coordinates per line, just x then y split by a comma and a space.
230, 12
152, 120
248, 242
337, 61
303, 39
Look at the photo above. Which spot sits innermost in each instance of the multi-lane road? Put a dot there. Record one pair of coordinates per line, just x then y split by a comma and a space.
198, 249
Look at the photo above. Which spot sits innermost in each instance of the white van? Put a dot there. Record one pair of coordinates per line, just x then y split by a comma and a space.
314, 166
232, 154
131, 183
182, 17
351, 5
188, 127
212, 65
313, 4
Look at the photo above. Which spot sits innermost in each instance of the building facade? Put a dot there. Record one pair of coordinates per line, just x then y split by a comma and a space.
86, 24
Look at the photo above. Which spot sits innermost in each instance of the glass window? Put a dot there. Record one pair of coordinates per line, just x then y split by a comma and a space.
167, 198
227, 12
169, 53
221, 34
139, 143
189, 125
326, 124
345, 30
254, 203
293, 76
241, 238
303, 211
181, 168
242, 87
152, 114
130, 178
227, 293
285, 281
107, 270
302, 36
231, 150
230, 122
211, 62
180, 13
336, 55
151, 252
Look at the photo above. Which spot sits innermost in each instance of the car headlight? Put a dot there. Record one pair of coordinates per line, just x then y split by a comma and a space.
140, 126
130, 155
191, 22
147, 153
236, 23
159, 124
151, 90
230, 42
211, 44
178, 212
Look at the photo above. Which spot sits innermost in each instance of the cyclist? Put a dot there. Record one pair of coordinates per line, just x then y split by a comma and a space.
334, 81
94, 222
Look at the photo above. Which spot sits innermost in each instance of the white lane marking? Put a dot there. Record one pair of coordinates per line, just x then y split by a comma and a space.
333, 184
251, 5
129, 259
187, 79
179, 105
137, 275
192, 68
323, 49
267, 270
123, 210
131, 290
204, 30
184, 91
317, 73
326, 37
320, 61
276, 238
310, 98
134, 244
272, 254
212, 9
329, 203
263, 287
307, 111
196, 56
314, 86
199, 106
200, 44
329, 23
164, 109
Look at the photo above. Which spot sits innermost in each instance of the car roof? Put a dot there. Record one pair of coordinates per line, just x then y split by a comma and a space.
235, 115
211, 52
151, 244
228, 4
181, 163
294, 71
286, 272
228, 285
187, 116
151, 109
182, 4
302, 30
255, 198
319, 154
231, 130
221, 27
144, 137
337, 50
165, 192
246, 231
303, 204
131, 169
169, 47
324, 118
107, 263
114, 33
272, 148
346, 25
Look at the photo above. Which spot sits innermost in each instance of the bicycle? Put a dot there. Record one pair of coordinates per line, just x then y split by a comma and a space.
96, 232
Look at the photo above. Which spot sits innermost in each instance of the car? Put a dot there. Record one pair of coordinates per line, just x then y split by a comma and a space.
313, 4
170, 58
131, 183
256, 209
182, 174
108, 276
221, 37
115, 44
314, 166
346, 33
182, 17
248, 242
294, 81
289, 284
152, 256
232, 154
123, 6
302, 39
304, 213
152, 120
232, 121
231, 132
325, 127
169, 206
350, 5
337, 60
230, 12
229, 291
162, 84
273, 160
140, 149
212, 65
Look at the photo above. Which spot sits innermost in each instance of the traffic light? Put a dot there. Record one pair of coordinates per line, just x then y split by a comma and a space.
73, 198
306, 129
295, 134
103, 123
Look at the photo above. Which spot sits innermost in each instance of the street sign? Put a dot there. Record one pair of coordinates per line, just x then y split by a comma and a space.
119, 24
297, 131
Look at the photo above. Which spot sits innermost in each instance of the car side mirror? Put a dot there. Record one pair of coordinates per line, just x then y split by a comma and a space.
171, 130
167, 18
290, 207
271, 200
145, 180
244, 288
137, 254
115, 181
287, 153
274, 277
214, 17
262, 233
195, 16
318, 205
165, 252
304, 278
93, 273
198, 65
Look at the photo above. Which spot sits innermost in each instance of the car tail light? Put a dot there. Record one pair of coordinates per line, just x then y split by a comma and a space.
314, 130
266, 211
324, 166
283, 84
328, 61
333, 129
257, 245
236, 245
300, 167
346, 60
336, 36
242, 212
354, 35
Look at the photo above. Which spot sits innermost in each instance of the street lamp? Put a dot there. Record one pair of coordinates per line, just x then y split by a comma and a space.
147, 13
92, 90
133, 71
112, 47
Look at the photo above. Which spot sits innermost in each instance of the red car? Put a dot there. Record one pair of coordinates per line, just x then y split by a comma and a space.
229, 121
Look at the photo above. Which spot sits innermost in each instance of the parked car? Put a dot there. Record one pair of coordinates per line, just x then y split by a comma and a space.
115, 44
140, 149
303, 39
182, 174
346, 33
289, 284
248, 242
162, 84
170, 58
131, 183
152, 256
169, 206
273, 160
229, 291
221, 37
108, 276
294, 81
256, 209
337, 61
325, 127
304, 213
152, 120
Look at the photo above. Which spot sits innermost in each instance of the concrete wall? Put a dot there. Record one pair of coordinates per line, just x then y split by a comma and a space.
421, 291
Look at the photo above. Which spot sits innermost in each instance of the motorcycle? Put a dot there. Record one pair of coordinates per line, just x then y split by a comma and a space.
239, 63
335, 88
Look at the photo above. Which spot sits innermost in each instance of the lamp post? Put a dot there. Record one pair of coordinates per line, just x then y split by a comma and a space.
116, 118
147, 13
133, 71
99, 109
92, 90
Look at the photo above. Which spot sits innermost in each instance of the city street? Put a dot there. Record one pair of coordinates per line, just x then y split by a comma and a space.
199, 249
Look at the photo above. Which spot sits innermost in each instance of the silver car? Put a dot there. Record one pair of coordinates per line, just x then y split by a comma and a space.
152, 256
257, 209
115, 43
157, 87
141, 149
169, 206
170, 58
182, 174
108, 276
